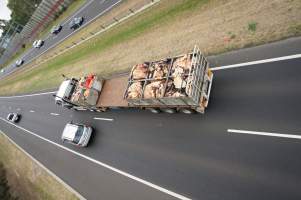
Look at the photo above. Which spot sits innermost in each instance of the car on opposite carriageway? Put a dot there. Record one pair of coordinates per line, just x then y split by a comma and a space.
76, 22
56, 29
38, 43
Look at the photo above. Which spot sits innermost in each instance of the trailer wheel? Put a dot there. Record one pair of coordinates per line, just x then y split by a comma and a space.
154, 110
187, 111
168, 110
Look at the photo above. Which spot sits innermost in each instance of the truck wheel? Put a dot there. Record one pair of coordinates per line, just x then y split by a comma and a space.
168, 110
187, 111
154, 110
67, 106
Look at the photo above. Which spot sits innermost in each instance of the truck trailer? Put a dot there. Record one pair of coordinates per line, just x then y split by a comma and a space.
176, 84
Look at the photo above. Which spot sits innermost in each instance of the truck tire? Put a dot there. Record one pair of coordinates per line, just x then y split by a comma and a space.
168, 110
68, 106
187, 111
154, 110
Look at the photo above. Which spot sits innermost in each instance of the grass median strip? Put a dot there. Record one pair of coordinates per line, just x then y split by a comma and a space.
169, 28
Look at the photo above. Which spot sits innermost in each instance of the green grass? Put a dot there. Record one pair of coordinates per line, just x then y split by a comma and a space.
295, 29
122, 33
252, 26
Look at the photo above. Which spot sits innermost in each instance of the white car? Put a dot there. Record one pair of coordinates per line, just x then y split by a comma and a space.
2, 70
38, 43
13, 117
19, 62
77, 134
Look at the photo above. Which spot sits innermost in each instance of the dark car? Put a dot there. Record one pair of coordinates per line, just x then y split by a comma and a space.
13, 117
56, 29
76, 22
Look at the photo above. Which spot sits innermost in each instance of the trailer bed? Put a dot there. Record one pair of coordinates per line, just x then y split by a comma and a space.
112, 92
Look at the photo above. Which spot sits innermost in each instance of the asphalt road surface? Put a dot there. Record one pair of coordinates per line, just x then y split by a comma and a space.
183, 156
89, 11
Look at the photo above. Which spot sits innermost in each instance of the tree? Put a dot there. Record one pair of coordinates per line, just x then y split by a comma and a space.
22, 10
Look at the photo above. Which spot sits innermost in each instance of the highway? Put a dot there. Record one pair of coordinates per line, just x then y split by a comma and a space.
90, 10
181, 156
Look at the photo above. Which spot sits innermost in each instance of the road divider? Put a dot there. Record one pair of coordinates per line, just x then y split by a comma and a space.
264, 133
130, 176
257, 62
28, 95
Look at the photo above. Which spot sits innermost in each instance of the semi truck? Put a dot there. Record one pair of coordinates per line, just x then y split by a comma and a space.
176, 84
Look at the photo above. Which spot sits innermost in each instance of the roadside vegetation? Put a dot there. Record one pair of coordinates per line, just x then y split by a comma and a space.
71, 9
5, 193
22, 177
169, 28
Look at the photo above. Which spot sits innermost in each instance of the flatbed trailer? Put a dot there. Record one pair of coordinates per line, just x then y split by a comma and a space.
181, 83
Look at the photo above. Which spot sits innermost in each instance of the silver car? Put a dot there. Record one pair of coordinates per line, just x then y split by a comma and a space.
77, 134
13, 117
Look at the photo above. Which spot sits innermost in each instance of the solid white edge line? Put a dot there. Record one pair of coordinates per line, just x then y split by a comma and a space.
32, 111
46, 169
104, 165
105, 119
264, 133
55, 114
28, 95
257, 62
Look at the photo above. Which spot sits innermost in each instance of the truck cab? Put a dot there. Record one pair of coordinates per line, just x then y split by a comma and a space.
74, 93
64, 93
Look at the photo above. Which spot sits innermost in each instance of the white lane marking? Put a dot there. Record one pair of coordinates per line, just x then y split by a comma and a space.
45, 168
257, 62
179, 196
105, 119
29, 95
32, 111
55, 114
18, 109
264, 133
